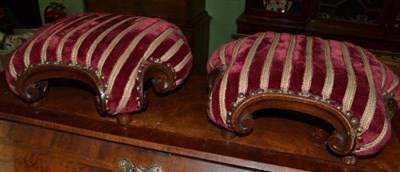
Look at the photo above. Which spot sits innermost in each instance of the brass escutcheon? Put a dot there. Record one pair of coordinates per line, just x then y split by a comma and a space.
127, 166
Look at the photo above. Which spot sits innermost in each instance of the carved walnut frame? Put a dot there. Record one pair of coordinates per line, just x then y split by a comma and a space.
31, 85
342, 141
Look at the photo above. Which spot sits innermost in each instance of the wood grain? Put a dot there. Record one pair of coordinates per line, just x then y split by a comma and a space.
173, 131
71, 152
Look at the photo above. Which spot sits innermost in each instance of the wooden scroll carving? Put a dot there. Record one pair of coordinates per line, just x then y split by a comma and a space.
342, 141
32, 85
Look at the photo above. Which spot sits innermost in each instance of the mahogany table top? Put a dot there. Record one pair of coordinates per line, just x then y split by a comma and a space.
177, 123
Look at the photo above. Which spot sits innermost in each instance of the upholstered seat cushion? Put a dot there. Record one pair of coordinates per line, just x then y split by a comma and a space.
113, 47
341, 74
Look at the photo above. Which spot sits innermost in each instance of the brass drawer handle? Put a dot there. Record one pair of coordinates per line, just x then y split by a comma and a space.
127, 166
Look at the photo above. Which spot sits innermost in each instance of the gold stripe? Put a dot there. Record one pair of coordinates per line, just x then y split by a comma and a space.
178, 44
183, 63
378, 139
131, 82
60, 46
224, 81
127, 52
78, 43
288, 64
330, 76
383, 73
157, 42
222, 54
267, 65
210, 106
370, 107
101, 37
48, 39
395, 84
308, 71
32, 43
244, 73
179, 81
351, 80
29, 49
114, 42
13, 72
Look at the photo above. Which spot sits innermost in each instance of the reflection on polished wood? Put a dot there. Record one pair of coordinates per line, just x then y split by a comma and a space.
66, 133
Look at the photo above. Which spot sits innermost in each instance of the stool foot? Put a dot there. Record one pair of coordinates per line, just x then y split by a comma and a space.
124, 118
36, 104
350, 159
226, 134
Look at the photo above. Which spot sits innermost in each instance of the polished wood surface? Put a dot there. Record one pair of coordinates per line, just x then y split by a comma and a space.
49, 150
173, 132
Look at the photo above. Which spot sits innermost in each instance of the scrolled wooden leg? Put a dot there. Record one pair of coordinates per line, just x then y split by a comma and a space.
160, 75
124, 118
319, 137
246, 122
350, 159
32, 92
226, 134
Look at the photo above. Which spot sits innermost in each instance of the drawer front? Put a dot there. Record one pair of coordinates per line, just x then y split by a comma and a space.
146, 158
29, 148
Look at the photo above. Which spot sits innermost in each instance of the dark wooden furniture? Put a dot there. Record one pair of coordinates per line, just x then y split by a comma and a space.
66, 133
189, 15
31, 84
14, 15
374, 25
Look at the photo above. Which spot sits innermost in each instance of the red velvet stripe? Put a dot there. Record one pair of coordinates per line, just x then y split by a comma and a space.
234, 74
319, 67
298, 63
278, 62
76, 34
341, 78
50, 52
256, 68
120, 48
228, 52
176, 58
361, 80
18, 61
88, 41
123, 77
103, 44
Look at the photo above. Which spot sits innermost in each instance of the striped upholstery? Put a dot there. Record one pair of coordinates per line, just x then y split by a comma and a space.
114, 46
338, 73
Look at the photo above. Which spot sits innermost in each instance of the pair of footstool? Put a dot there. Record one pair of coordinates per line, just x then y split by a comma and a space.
116, 54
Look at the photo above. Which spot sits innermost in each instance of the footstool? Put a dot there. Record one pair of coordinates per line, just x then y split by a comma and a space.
114, 54
338, 82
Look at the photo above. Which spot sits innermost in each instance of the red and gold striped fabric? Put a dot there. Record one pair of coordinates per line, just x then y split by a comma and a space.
114, 46
340, 73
